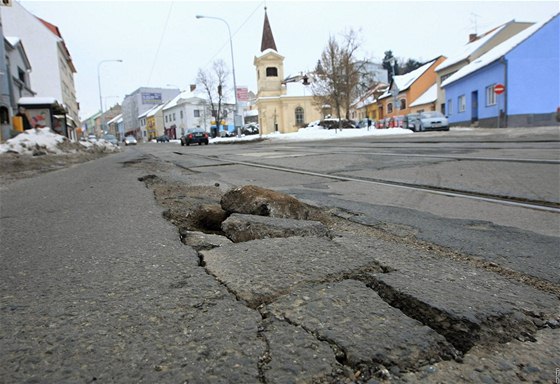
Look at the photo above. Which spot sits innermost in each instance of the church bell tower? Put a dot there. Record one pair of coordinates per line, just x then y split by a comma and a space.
269, 65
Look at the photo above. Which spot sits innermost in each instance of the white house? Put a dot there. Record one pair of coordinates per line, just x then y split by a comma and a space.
53, 69
185, 111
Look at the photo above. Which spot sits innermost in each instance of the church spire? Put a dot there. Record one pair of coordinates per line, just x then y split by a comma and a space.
267, 38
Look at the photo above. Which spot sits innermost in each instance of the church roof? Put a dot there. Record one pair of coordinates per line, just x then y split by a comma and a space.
267, 37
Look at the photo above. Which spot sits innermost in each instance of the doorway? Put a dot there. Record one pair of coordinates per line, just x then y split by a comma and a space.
474, 107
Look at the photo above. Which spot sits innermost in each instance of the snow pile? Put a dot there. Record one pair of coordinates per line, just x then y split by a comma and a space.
100, 145
33, 140
42, 141
318, 133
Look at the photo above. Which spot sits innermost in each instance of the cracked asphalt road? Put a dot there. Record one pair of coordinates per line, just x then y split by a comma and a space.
95, 285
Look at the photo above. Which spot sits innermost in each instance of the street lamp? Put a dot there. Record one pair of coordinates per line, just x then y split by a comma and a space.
99, 84
232, 70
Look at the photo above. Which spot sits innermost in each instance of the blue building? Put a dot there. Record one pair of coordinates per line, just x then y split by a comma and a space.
527, 65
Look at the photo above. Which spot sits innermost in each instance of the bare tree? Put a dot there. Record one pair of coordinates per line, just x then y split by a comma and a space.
338, 74
213, 83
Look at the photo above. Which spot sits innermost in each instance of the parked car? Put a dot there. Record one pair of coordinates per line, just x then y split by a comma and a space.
111, 139
334, 123
195, 136
380, 124
91, 137
412, 122
250, 129
162, 139
130, 140
433, 121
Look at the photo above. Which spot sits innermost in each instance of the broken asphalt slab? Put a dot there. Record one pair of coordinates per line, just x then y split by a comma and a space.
259, 271
361, 325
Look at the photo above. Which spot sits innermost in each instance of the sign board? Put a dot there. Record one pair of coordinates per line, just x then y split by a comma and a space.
499, 89
151, 98
242, 94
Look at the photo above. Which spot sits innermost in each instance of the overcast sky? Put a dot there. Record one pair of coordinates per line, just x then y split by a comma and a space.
161, 42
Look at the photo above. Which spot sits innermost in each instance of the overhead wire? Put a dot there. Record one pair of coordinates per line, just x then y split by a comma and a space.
160, 42
226, 43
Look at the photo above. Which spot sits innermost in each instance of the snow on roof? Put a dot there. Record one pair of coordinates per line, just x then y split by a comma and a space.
185, 95
403, 82
266, 52
154, 110
297, 89
469, 49
12, 40
37, 100
427, 97
145, 113
115, 119
496, 52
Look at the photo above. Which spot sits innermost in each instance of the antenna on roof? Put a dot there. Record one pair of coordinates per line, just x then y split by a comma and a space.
474, 20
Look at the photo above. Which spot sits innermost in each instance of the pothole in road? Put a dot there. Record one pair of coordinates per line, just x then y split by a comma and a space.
199, 212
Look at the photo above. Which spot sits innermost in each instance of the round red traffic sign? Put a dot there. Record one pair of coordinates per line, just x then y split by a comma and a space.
499, 89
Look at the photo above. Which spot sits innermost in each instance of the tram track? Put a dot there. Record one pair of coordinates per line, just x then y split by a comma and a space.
546, 206
435, 156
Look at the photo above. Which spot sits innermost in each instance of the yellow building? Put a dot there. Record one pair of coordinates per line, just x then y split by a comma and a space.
284, 104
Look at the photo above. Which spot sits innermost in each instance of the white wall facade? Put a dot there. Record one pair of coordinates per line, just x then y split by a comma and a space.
44, 51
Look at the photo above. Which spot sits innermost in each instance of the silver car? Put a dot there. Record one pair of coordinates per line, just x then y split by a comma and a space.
130, 140
432, 121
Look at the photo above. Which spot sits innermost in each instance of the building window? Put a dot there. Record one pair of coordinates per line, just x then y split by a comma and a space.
490, 95
402, 104
271, 72
173, 116
390, 108
21, 75
181, 115
449, 107
299, 116
462, 103
166, 118
197, 113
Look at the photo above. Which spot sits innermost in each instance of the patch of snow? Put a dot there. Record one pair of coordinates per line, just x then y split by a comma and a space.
30, 140
317, 133
44, 139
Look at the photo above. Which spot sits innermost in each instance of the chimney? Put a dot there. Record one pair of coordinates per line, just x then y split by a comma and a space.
472, 37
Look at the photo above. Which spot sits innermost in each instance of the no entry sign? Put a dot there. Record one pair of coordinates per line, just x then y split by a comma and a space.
499, 89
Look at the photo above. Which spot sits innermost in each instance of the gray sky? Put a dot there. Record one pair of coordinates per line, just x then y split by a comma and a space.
161, 42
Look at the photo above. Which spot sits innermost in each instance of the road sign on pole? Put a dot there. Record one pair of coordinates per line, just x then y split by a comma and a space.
499, 89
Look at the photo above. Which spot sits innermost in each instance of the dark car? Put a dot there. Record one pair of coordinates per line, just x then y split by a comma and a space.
162, 139
334, 123
250, 129
195, 136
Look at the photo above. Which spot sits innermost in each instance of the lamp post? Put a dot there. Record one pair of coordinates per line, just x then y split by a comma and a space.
99, 84
235, 116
